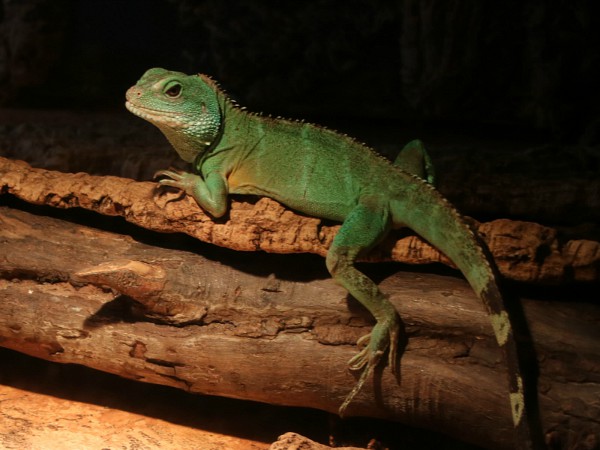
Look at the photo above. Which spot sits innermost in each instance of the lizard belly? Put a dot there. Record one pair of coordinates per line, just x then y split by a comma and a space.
321, 202
309, 180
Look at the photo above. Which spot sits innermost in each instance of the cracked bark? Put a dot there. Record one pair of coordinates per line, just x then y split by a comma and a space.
523, 251
253, 326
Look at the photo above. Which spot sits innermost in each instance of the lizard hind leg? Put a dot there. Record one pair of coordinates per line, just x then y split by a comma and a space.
414, 159
364, 227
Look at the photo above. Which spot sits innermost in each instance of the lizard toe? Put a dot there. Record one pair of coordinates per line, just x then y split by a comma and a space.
172, 174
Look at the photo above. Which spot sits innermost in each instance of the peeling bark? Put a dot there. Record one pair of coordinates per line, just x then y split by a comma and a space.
523, 251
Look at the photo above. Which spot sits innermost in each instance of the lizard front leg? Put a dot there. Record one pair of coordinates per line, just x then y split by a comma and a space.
364, 227
209, 192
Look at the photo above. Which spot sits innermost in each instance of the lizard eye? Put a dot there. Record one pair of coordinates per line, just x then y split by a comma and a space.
174, 91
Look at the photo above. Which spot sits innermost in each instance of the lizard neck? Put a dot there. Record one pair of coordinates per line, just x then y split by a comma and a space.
198, 137
238, 126
238, 133
187, 147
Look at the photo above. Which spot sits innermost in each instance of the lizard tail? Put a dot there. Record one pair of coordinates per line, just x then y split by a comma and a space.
430, 215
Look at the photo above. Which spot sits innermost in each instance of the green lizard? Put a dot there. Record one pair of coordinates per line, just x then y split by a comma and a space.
325, 174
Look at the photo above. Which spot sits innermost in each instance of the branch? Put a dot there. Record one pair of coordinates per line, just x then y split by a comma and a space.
523, 251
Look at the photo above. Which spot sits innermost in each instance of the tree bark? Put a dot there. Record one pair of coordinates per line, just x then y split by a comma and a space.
251, 326
291, 441
523, 251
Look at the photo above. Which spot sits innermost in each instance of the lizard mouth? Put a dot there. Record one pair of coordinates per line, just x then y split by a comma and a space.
155, 116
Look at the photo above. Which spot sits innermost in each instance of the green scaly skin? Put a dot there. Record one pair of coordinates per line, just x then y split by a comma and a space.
325, 174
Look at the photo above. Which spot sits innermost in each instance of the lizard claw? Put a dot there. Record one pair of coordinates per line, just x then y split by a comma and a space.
361, 381
360, 360
176, 179
171, 176
166, 173
383, 336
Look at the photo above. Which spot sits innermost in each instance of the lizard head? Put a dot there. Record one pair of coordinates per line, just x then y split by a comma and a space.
184, 107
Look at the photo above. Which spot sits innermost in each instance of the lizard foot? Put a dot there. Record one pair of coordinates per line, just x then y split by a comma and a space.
383, 336
180, 180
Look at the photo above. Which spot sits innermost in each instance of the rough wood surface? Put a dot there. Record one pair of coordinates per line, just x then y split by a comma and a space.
523, 251
294, 441
31, 420
222, 326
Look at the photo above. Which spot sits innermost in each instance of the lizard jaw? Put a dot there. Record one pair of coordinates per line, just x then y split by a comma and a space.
156, 117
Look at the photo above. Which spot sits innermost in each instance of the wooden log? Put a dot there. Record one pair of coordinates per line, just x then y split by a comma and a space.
223, 326
523, 251
32, 420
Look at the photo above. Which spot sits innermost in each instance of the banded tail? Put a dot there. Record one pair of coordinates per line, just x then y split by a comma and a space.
425, 211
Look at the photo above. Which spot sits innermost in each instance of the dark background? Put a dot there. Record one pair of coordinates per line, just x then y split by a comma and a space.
525, 67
